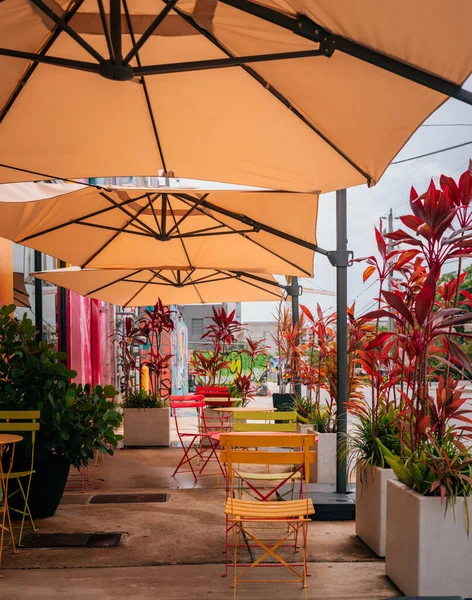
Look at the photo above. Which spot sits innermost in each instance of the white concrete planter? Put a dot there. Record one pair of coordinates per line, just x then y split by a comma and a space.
324, 469
371, 506
146, 426
428, 552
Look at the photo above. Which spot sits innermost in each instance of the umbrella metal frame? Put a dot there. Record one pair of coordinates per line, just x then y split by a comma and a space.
117, 67
166, 231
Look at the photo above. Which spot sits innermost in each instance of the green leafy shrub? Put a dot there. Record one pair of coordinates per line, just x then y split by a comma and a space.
75, 420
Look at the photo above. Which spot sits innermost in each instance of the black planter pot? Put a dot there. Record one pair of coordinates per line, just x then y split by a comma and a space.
47, 486
283, 402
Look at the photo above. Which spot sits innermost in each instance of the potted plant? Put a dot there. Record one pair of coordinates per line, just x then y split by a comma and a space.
146, 419
76, 421
428, 548
146, 412
316, 370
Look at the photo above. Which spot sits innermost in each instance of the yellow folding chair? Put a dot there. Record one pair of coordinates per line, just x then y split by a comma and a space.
19, 421
245, 518
263, 421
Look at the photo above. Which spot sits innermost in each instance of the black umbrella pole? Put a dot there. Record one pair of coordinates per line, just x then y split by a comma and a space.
341, 341
38, 298
296, 323
62, 315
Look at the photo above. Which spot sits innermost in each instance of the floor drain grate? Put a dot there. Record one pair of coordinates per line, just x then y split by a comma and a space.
128, 498
72, 540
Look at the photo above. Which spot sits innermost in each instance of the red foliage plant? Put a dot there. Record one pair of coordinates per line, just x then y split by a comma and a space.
401, 363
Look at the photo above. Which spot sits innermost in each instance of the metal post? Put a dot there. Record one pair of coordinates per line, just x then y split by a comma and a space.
295, 292
62, 315
341, 342
38, 297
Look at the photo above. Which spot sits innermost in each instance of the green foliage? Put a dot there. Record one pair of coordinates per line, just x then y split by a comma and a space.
320, 416
439, 467
363, 444
143, 399
75, 420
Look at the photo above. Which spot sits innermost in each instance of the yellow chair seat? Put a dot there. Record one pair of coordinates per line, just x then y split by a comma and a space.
19, 474
268, 476
254, 509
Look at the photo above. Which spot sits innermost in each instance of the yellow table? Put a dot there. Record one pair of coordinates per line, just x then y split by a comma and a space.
7, 440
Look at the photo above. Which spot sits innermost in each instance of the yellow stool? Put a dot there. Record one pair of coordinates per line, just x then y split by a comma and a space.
6, 441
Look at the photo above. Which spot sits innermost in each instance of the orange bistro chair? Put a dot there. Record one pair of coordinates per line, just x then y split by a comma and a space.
248, 520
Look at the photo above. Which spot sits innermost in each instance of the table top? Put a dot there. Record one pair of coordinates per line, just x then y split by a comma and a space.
8, 438
232, 409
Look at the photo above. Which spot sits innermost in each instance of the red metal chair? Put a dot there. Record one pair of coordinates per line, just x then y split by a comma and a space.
193, 441
215, 395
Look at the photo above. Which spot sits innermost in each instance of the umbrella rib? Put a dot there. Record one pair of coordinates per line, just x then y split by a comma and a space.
124, 278
189, 275
68, 29
184, 198
106, 32
211, 233
145, 88
151, 204
76, 221
51, 60
159, 275
272, 90
32, 67
139, 291
198, 293
108, 242
129, 214
180, 236
149, 31
222, 63
188, 213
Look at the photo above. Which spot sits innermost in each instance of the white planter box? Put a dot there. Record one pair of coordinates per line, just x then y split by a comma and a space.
324, 469
371, 506
146, 426
428, 552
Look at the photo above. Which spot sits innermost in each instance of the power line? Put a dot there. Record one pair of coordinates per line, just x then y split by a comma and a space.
447, 125
398, 162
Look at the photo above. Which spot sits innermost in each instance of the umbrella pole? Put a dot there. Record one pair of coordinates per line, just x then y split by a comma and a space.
295, 292
341, 341
38, 298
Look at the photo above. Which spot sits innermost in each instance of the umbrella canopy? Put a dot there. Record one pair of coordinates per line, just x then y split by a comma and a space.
298, 95
166, 227
172, 286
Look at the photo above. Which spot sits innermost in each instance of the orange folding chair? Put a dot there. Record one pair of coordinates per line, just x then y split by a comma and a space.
246, 519
196, 454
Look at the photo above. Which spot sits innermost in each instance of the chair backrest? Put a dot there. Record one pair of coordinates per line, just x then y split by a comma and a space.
19, 420
178, 405
259, 420
214, 391
278, 449
215, 395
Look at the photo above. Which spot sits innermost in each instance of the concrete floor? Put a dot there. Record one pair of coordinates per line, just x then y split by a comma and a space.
174, 550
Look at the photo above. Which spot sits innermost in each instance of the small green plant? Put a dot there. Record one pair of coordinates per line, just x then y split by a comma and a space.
311, 413
362, 442
143, 399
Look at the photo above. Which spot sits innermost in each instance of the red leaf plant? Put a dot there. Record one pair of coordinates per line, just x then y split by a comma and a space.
402, 363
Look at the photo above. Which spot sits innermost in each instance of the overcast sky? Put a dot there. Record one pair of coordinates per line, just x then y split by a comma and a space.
366, 206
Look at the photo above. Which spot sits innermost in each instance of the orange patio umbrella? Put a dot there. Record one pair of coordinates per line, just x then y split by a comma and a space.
173, 286
304, 95
135, 228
